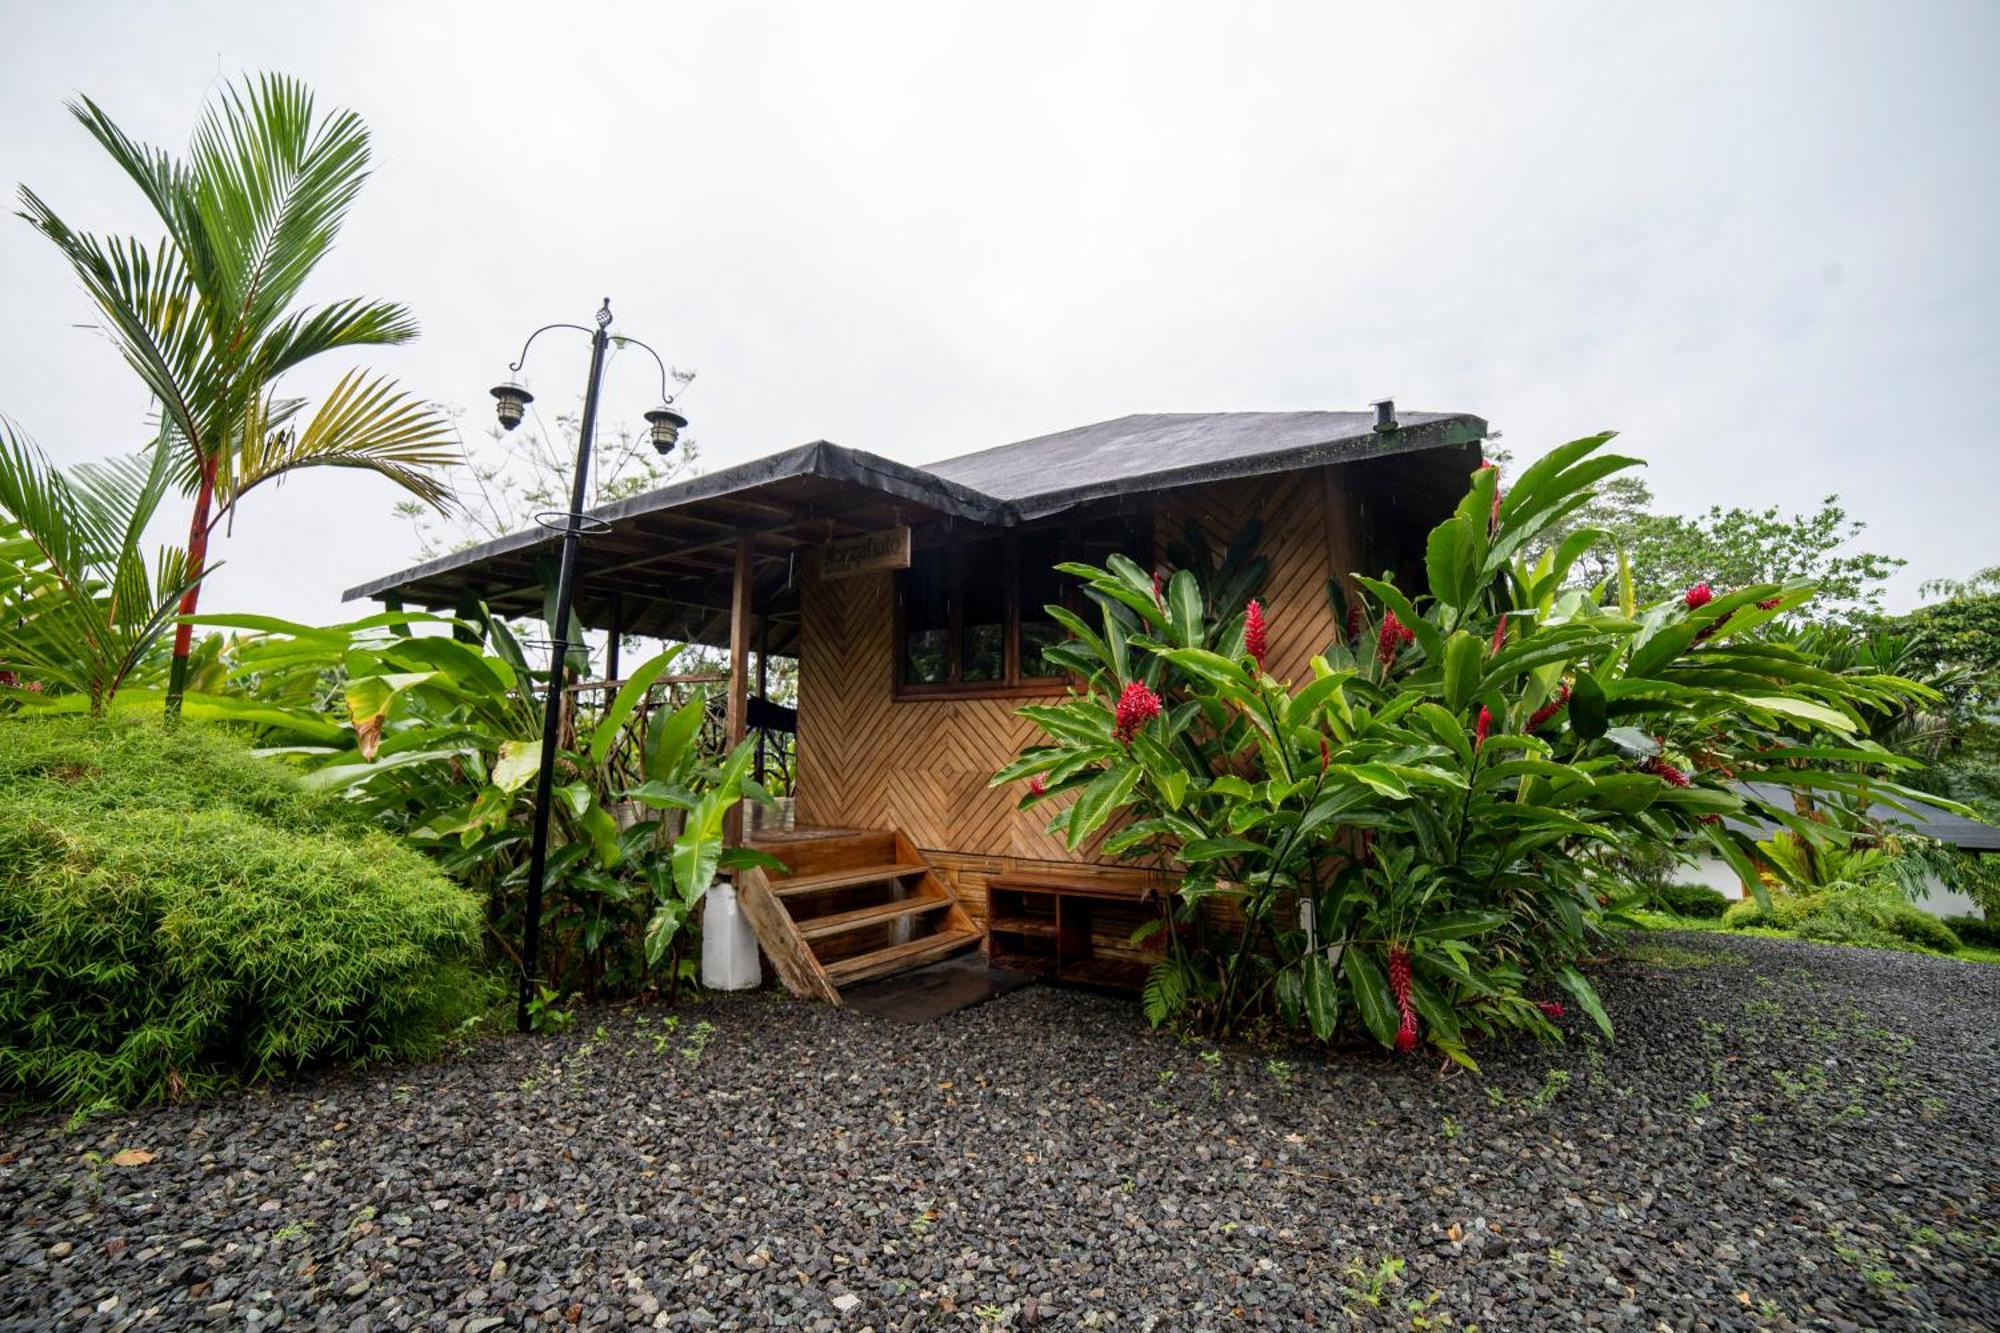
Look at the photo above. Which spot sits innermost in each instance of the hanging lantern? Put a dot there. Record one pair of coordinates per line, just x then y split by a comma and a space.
667, 426
510, 401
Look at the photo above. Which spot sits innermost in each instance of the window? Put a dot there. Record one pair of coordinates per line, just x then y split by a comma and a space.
969, 613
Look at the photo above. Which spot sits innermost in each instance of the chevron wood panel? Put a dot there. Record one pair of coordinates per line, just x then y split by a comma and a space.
867, 760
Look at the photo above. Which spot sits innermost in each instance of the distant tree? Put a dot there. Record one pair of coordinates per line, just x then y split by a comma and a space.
1727, 548
1955, 641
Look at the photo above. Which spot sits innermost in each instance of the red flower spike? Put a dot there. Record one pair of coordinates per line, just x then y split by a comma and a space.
1549, 709
1039, 785
1500, 633
1136, 707
1665, 772
1254, 641
1325, 755
1769, 603
1399, 985
1485, 725
1354, 624
1393, 636
1159, 599
1549, 1007
1697, 597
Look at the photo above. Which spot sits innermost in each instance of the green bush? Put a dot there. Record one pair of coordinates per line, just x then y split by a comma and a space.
1871, 915
1975, 930
1692, 900
176, 913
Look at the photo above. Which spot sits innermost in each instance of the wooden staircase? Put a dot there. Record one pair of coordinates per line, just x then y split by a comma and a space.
855, 906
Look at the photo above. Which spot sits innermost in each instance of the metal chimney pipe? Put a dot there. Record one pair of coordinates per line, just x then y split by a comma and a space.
1385, 415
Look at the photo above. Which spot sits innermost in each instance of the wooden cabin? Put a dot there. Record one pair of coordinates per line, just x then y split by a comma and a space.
911, 596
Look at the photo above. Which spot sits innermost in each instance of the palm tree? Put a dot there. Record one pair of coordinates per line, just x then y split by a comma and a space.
78, 607
209, 316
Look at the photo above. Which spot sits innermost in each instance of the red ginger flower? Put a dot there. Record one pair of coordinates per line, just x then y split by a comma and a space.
1485, 725
1500, 633
1399, 984
1549, 709
1393, 636
1665, 772
1549, 1007
1159, 599
1769, 603
1254, 641
1697, 597
1039, 785
1354, 624
1136, 707
1325, 755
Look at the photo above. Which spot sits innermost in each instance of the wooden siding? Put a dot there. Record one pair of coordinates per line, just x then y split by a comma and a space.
869, 760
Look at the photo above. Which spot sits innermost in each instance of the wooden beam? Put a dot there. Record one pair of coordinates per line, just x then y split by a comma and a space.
736, 716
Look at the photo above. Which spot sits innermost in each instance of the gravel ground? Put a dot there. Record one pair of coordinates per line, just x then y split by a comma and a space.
1784, 1135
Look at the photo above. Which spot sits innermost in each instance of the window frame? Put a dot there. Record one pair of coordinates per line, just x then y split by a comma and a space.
1012, 685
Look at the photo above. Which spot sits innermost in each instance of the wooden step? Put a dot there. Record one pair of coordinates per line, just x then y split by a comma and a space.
842, 879
818, 927
898, 957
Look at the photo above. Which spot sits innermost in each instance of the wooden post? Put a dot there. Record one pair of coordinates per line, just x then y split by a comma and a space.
737, 712
617, 633
763, 683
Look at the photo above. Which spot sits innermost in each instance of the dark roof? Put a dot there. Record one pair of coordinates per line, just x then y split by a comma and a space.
1152, 451
661, 564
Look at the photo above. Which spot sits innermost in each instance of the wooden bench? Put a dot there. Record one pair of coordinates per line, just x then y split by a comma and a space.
1075, 928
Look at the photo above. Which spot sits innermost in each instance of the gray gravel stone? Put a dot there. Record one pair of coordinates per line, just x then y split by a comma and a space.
1784, 1136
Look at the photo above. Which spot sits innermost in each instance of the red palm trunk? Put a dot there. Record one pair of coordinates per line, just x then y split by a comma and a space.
197, 562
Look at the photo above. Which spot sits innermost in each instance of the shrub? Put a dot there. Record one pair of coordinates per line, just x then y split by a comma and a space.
176, 913
1691, 900
1975, 930
1403, 843
1873, 915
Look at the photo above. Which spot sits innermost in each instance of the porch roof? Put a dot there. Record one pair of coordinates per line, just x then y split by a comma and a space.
664, 566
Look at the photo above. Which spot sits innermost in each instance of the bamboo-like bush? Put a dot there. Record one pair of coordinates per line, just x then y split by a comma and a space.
176, 914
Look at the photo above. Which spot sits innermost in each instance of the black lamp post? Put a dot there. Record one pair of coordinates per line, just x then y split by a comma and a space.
666, 423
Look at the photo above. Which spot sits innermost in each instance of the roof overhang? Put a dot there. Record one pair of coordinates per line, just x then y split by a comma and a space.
662, 565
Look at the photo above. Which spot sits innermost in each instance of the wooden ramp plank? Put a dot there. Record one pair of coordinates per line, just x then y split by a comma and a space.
842, 879
819, 927
898, 957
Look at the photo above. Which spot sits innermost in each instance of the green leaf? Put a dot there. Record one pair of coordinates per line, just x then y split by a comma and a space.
1185, 609
629, 697
669, 740
1575, 983
1099, 800
1804, 710
1372, 996
1460, 925
1319, 995
1463, 655
518, 762
1587, 707
1447, 562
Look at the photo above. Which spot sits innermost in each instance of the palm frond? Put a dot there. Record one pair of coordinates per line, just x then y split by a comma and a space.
271, 189
79, 609
153, 310
365, 422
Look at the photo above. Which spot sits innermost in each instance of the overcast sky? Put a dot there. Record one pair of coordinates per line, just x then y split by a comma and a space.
1758, 238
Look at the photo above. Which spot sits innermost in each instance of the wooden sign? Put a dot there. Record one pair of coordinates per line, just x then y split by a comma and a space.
866, 554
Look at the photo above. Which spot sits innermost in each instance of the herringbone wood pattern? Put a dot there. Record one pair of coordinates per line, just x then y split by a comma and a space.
867, 760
